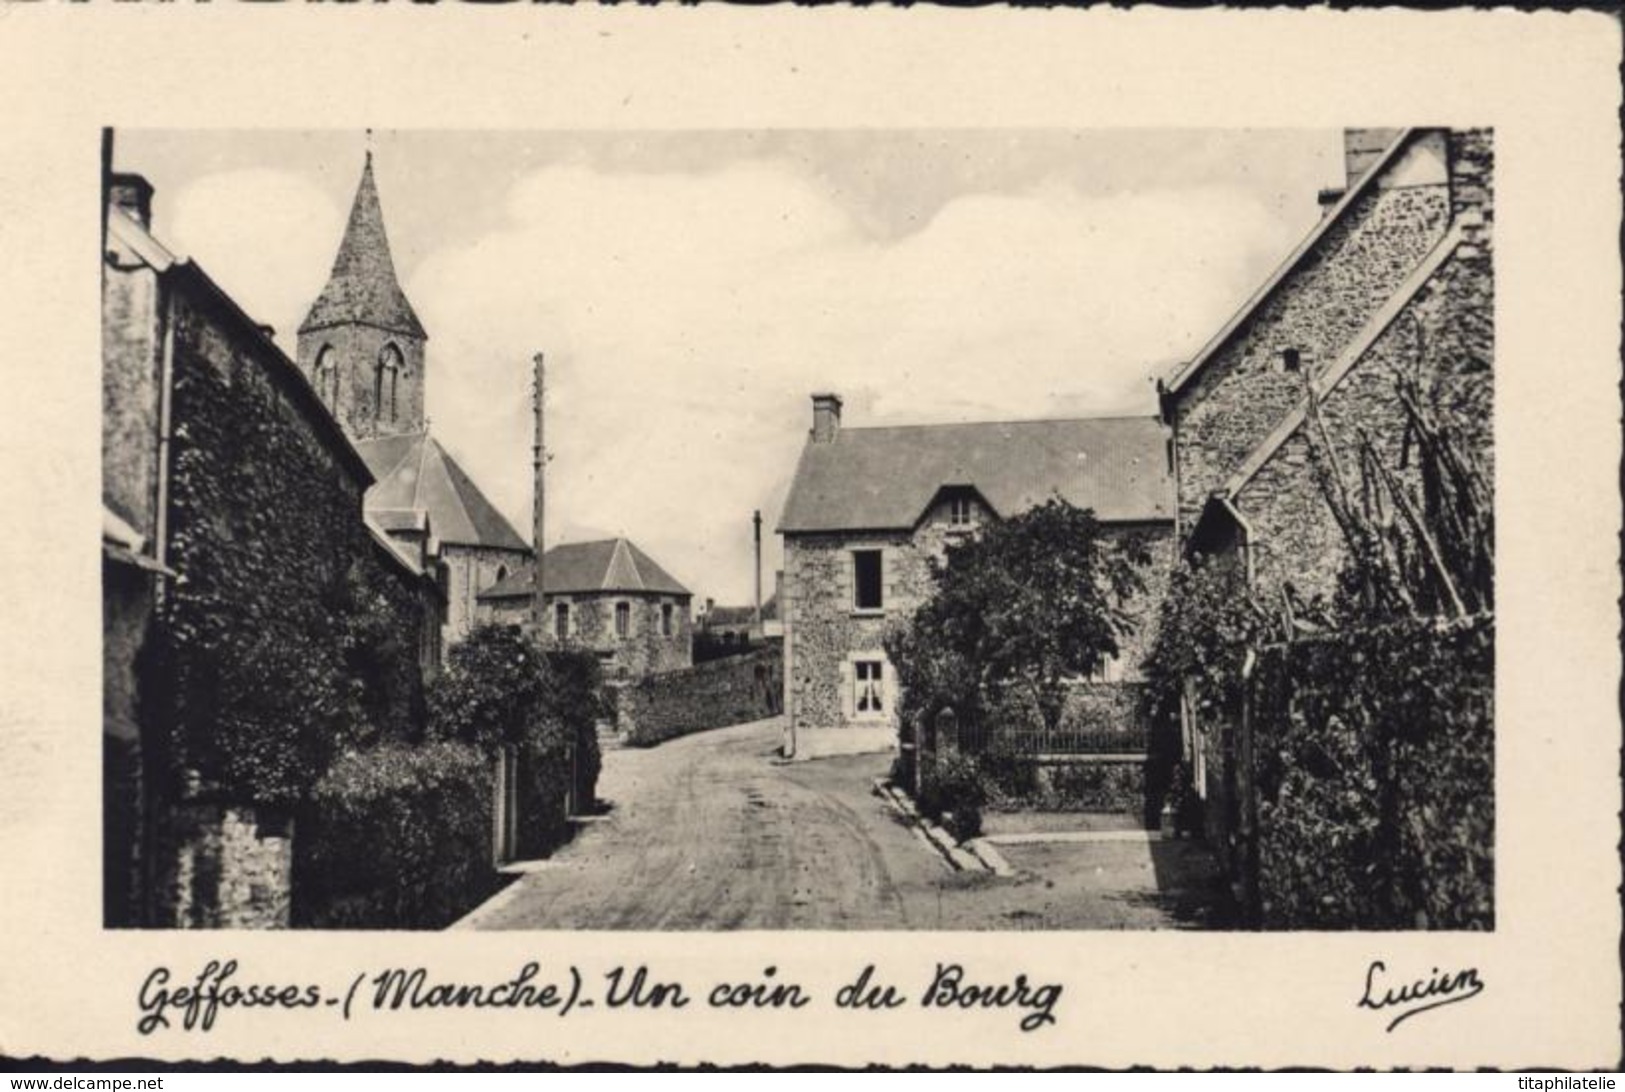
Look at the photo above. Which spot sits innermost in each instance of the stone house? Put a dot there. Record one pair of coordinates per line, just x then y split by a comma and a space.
1395, 279
232, 502
608, 596
363, 349
869, 506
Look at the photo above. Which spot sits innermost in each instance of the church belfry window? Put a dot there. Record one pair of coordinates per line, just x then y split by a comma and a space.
325, 378
389, 370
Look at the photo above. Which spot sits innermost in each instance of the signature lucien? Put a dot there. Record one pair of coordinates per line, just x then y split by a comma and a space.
1384, 993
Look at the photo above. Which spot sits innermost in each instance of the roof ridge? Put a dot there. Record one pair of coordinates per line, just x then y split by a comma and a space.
1322, 227
1006, 421
622, 545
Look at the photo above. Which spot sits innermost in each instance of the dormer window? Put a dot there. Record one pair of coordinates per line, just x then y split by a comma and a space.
961, 512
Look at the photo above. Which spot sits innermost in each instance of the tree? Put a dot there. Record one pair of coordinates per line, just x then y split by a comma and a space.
1033, 601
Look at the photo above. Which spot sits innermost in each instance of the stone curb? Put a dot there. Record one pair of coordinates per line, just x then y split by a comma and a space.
1042, 837
939, 839
989, 856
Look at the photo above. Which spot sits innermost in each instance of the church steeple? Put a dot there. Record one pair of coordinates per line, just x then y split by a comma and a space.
361, 344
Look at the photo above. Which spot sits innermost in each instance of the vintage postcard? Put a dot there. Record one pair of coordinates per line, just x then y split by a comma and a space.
814, 536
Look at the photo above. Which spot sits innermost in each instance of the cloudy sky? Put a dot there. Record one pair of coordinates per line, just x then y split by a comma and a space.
691, 289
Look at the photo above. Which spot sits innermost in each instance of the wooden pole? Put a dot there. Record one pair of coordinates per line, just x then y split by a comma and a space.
538, 597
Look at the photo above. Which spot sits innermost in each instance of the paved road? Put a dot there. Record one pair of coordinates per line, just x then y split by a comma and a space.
709, 832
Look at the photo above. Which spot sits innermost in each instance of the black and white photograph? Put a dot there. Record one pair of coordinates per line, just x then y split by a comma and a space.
725, 530
833, 537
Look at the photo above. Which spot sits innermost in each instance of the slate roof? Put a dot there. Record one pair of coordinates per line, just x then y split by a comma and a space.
877, 479
414, 472
363, 287
609, 565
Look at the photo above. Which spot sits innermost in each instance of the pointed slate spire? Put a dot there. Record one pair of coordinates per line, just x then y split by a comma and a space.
362, 287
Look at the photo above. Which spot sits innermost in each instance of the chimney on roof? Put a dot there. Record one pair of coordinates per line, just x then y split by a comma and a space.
133, 194
1362, 148
826, 417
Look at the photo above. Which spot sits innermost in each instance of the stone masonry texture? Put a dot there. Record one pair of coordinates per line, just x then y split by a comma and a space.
645, 650
1244, 391
732, 690
1445, 338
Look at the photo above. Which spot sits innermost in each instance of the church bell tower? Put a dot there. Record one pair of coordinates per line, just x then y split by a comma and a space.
361, 345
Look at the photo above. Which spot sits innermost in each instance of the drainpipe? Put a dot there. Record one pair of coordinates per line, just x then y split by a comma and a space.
166, 401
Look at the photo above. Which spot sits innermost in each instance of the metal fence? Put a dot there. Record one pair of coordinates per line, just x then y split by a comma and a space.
1098, 719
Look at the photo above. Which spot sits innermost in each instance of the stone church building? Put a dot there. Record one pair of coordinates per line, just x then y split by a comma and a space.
364, 351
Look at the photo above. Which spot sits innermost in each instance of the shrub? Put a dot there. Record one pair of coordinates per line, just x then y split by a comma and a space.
499, 690
1032, 601
1375, 782
396, 837
952, 790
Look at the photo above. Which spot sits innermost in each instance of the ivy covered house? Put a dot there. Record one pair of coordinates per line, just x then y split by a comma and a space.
1334, 465
255, 622
869, 508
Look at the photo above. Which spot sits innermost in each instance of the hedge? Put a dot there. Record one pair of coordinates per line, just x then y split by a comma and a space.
498, 690
397, 837
1374, 778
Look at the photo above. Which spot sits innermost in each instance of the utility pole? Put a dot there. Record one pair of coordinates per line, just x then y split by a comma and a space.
538, 599
756, 523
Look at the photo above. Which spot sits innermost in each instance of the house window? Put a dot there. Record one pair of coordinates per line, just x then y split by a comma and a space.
665, 619
502, 573
868, 694
1291, 360
561, 620
1107, 669
623, 619
960, 511
866, 583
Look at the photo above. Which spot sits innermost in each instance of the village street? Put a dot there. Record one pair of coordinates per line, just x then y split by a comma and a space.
711, 832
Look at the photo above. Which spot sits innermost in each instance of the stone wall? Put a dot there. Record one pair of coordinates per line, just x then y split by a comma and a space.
1246, 388
735, 690
355, 351
225, 868
126, 614
824, 633
1445, 337
469, 571
133, 316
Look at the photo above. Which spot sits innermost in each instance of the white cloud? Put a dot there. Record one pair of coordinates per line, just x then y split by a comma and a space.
266, 236
687, 316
